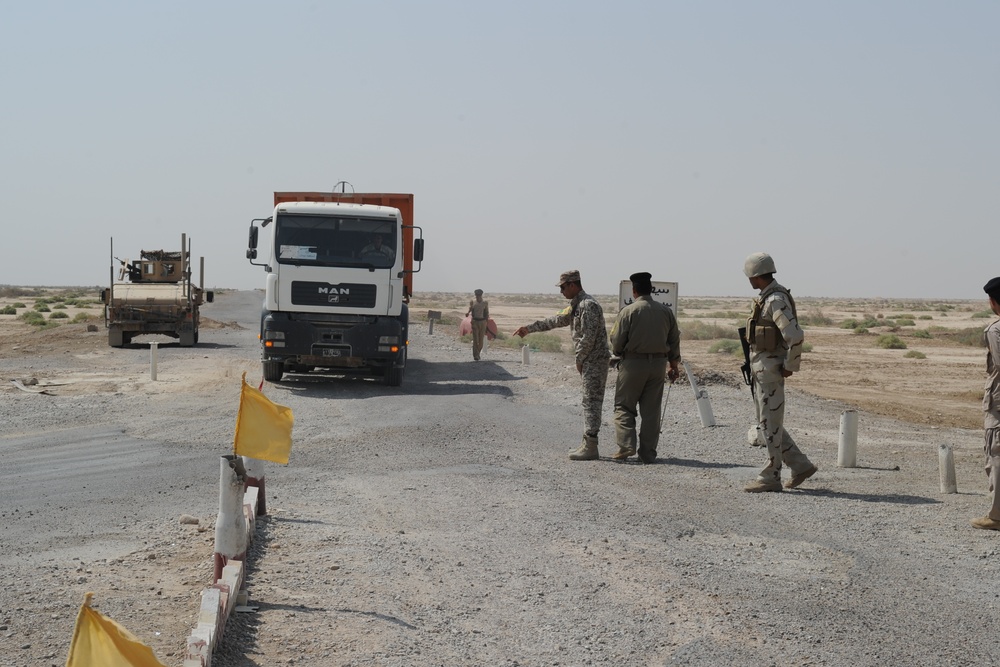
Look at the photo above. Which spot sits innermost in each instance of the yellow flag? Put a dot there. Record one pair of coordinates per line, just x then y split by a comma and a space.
263, 428
97, 640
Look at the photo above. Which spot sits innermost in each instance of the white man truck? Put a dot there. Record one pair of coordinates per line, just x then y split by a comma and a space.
339, 277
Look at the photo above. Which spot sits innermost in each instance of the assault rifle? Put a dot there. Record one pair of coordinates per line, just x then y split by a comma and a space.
745, 368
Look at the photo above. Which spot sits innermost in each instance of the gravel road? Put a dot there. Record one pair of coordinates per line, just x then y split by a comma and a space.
441, 523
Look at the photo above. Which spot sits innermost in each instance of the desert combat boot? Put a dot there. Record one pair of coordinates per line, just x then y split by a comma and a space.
587, 450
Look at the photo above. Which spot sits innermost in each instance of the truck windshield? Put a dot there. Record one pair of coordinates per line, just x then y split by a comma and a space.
325, 240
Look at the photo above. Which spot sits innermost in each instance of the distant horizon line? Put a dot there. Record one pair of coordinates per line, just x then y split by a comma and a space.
555, 294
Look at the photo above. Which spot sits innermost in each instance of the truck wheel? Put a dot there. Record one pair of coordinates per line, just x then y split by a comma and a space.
272, 370
394, 374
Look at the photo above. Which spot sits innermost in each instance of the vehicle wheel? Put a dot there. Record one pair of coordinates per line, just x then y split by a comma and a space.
394, 374
272, 370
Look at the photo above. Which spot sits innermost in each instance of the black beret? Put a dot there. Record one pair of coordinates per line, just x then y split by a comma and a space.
993, 288
642, 277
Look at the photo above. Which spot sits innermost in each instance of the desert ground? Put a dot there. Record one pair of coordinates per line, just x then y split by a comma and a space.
440, 523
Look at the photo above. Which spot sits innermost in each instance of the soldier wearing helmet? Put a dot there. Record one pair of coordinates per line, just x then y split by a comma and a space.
776, 352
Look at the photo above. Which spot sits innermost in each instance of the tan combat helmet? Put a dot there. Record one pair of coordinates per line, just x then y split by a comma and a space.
758, 264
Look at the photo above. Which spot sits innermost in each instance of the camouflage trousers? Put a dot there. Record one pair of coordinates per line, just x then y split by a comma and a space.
595, 378
769, 399
992, 448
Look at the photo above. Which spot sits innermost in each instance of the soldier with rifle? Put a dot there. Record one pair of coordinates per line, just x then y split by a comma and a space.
773, 350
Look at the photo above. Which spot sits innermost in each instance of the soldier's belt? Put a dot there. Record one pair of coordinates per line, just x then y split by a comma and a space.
644, 355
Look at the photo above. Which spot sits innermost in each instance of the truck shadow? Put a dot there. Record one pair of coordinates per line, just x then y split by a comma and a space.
422, 378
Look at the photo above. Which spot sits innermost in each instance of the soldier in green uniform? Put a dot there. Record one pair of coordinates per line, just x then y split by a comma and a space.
776, 352
991, 409
585, 317
646, 339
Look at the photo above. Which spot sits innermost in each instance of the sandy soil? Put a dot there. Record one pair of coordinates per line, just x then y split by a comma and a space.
458, 541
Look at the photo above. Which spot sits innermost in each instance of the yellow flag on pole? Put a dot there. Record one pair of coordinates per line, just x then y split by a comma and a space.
97, 640
263, 428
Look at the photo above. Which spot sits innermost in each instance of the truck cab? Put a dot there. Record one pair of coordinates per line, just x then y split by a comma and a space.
337, 285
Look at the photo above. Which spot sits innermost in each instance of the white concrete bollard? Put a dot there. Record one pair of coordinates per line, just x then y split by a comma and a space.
701, 398
946, 459
847, 449
255, 477
153, 352
526, 355
230, 526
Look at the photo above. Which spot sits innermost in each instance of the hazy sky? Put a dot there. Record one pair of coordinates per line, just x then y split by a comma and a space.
856, 141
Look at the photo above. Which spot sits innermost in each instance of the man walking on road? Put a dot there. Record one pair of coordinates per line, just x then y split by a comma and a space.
776, 352
646, 338
991, 410
480, 311
585, 317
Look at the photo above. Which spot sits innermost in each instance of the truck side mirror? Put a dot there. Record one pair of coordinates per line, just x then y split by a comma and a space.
418, 250
253, 239
209, 296
252, 253
104, 296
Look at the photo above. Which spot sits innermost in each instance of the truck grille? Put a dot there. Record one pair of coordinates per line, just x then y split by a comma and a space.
344, 295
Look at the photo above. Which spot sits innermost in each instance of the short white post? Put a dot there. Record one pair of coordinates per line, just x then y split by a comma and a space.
526, 355
847, 449
153, 348
701, 398
255, 477
946, 459
230, 525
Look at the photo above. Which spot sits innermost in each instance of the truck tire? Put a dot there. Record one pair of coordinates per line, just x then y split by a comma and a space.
394, 374
272, 370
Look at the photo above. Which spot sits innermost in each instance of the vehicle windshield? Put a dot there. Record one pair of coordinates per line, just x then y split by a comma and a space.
325, 240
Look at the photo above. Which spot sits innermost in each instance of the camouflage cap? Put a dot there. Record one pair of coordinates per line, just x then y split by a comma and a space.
568, 277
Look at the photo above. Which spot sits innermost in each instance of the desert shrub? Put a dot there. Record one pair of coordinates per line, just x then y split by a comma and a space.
58, 315
807, 347
982, 314
723, 315
43, 299
860, 330
41, 307
8, 310
538, 342
33, 317
972, 337
59, 306
926, 317
905, 322
725, 346
922, 333
915, 354
83, 317
701, 331
905, 316
890, 342
817, 319
10, 290
19, 304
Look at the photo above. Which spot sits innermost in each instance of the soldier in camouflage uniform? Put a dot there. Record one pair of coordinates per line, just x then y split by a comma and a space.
776, 352
585, 317
991, 410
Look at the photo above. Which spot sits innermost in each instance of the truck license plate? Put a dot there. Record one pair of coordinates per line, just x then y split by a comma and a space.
330, 352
